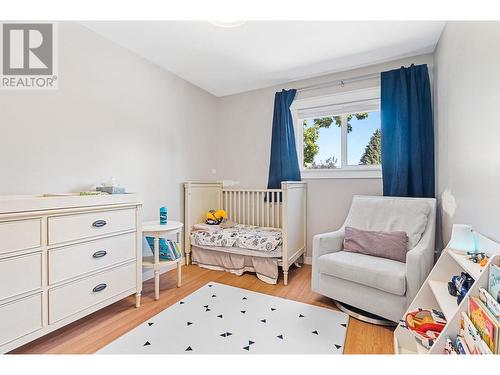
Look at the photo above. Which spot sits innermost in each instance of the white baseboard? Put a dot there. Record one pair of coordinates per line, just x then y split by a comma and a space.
148, 273
307, 260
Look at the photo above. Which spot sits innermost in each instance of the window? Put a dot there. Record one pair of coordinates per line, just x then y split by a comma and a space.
339, 136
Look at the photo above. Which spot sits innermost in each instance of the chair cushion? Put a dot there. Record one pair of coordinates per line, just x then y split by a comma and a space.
377, 243
389, 214
384, 274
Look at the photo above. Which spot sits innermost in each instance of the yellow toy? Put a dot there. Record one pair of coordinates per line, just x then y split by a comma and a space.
216, 217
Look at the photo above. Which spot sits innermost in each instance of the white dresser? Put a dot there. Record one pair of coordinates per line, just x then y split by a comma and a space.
64, 257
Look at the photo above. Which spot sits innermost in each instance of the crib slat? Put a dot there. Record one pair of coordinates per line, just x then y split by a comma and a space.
268, 208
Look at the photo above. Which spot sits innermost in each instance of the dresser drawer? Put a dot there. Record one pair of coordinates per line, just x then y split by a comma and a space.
20, 275
72, 298
71, 261
20, 318
19, 235
78, 226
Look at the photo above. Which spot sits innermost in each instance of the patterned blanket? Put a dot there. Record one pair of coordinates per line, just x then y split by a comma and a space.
242, 236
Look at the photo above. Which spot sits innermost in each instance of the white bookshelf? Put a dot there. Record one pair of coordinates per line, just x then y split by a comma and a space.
434, 295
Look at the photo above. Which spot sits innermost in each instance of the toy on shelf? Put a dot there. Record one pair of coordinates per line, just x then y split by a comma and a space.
425, 325
216, 217
478, 257
460, 285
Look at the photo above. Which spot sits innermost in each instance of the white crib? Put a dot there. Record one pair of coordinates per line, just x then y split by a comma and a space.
260, 207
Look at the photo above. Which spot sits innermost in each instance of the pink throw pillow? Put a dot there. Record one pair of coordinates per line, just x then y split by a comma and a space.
390, 245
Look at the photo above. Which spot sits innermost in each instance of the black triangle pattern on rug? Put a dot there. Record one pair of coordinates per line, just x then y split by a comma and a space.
280, 337
213, 296
263, 320
315, 332
250, 342
242, 311
210, 285
189, 349
225, 334
244, 298
246, 348
181, 303
189, 323
150, 324
343, 325
207, 310
272, 309
206, 306
147, 343
219, 316
301, 316
338, 346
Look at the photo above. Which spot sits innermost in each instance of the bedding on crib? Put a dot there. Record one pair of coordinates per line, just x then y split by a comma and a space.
240, 236
238, 249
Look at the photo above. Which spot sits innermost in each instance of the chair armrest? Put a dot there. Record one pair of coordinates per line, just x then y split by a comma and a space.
419, 263
327, 243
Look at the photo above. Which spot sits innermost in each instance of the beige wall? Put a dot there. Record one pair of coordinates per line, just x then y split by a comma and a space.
467, 95
114, 114
244, 135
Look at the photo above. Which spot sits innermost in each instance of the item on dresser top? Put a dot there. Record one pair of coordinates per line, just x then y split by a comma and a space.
111, 189
91, 192
460, 285
242, 236
494, 282
425, 325
163, 215
216, 217
486, 324
168, 250
389, 245
490, 302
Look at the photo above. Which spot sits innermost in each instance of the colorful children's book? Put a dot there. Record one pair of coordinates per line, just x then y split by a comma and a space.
494, 282
175, 249
471, 337
486, 324
460, 346
166, 252
490, 303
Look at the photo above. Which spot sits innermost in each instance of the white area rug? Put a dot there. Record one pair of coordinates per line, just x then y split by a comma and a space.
220, 319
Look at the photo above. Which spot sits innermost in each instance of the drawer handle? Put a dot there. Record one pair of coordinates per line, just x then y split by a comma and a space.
99, 254
99, 223
99, 288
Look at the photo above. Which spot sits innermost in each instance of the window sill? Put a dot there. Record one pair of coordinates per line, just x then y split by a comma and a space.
351, 173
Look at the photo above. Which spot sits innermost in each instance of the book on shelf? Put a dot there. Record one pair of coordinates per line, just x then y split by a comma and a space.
471, 337
492, 305
486, 324
494, 282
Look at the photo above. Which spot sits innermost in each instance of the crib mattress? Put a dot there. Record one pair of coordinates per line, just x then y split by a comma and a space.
226, 259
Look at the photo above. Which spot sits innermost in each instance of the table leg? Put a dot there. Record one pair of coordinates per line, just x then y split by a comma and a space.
179, 273
157, 267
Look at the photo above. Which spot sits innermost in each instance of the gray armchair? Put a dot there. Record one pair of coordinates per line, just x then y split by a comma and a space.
380, 286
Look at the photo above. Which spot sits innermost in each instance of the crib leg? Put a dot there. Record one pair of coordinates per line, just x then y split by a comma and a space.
285, 277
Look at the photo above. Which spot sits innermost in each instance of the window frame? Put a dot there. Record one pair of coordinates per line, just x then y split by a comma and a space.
364, 100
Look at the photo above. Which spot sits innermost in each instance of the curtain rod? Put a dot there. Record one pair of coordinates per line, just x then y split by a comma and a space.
340, 82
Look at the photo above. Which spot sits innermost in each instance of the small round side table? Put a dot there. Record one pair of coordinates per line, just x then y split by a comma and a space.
157, 231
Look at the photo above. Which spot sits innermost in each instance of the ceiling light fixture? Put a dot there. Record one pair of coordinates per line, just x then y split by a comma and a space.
228, 23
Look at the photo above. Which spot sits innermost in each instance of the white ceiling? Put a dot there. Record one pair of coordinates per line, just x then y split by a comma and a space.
259, 54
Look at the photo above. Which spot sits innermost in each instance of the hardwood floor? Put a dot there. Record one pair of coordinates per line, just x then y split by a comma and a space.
91, 333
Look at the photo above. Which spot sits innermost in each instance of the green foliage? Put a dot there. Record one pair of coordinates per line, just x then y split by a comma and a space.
373, 150
329, 163
311, 134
